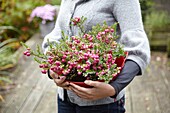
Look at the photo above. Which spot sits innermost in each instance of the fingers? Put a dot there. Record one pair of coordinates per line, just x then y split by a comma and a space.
76, 90
60, 80
53, 75
93, 83
82, 92
93, 93
79, 88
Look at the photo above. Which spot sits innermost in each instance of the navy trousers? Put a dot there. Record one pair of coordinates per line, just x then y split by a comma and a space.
67, 107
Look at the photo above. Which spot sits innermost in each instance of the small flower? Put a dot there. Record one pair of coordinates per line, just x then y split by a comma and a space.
76, 20
45, 13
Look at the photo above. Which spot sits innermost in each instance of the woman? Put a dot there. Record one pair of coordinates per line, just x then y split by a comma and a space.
102, 98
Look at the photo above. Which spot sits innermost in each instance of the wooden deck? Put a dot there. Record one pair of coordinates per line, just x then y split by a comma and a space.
35, 93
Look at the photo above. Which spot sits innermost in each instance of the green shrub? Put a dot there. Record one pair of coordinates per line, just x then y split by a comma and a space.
15, 27
16, 13
146, 7
157, 20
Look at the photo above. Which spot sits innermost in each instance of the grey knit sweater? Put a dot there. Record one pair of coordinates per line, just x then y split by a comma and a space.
130, 29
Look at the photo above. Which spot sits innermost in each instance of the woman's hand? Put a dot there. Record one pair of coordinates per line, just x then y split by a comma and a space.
60, 80
99, 90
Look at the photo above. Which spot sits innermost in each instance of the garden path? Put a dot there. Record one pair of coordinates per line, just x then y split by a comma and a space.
35, 93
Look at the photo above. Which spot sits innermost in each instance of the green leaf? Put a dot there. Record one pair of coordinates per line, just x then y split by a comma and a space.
85, 74
5, 79
10, 28
23, 44
37, 60
8, 41
38, 50
90, 71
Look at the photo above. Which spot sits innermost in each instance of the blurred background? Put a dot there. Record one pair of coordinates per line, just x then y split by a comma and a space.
16, 25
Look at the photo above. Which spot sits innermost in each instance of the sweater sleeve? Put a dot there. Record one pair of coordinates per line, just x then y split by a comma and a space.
54, 35
129, 71
128, 14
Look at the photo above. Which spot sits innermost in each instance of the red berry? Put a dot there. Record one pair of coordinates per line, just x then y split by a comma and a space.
28, 54
112, 30
52, 68
45, 65
63, 60
77, 19
79, 73
58, 63
64, 56
25, 52
41, 65
44, 71
106, 30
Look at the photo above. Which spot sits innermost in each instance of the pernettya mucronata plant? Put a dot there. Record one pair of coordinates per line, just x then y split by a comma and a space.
91, 55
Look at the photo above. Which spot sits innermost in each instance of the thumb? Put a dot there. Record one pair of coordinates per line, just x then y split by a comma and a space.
92, 83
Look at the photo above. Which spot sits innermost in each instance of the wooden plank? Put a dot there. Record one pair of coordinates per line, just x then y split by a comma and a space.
48, 102
143, 97
161, 89
128, 101
151, 92
21, 94
35, 96
21, 74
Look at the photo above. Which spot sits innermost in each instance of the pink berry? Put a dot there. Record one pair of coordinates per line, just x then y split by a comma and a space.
79, 73
84, 69
85, 36
106, 30
50, 61
73, 37
75, 63
73, 48
50, 58
78, 41
58, 63
25, 52
94, 67
78, 67
64, 56
103, 33
44, 71
52, 68
41, 65
63, 60
70, 67
77, 19
28, 54
45, 65
112, 30
99, 67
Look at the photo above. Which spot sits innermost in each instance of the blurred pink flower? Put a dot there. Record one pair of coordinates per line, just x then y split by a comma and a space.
46, 13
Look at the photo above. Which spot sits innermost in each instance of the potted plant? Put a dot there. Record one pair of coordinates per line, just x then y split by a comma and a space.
46, 15
94, 55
